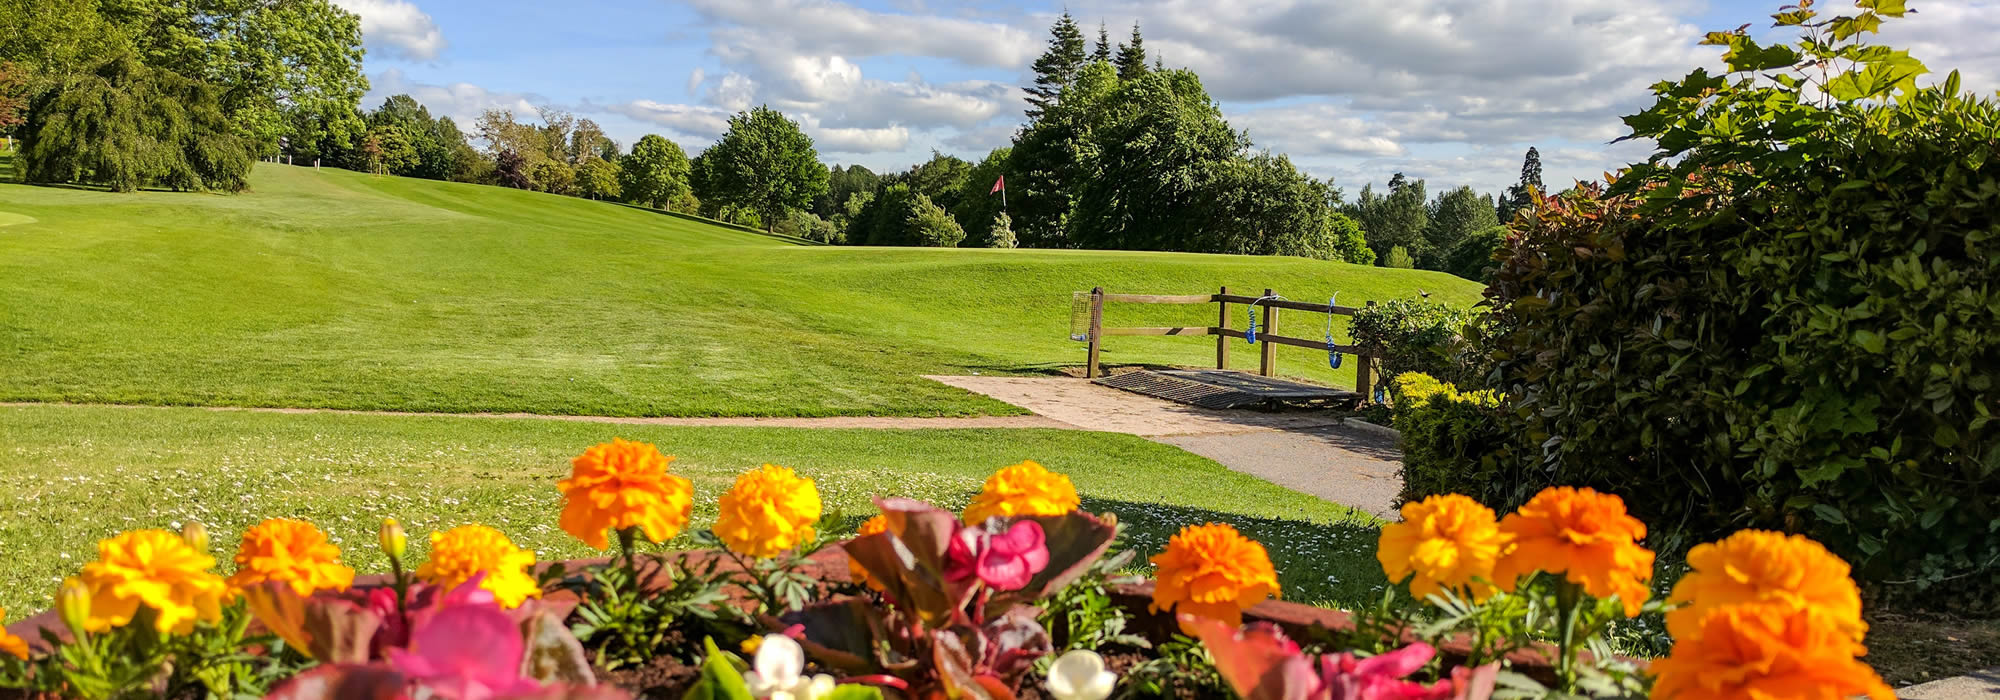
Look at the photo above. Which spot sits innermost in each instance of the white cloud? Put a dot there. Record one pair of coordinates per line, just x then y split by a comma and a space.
1317, 129
828, 28
695, 77
461, 101
397, 28
700, 123
858, 140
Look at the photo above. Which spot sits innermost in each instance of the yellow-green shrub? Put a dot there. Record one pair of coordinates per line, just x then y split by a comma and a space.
1452, 442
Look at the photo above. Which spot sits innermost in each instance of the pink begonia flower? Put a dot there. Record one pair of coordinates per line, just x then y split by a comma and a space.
1262, 664
1006, 561
466, 650
1380, 677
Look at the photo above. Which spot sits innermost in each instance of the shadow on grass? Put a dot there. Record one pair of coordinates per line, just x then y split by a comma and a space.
1319, 562
717, 222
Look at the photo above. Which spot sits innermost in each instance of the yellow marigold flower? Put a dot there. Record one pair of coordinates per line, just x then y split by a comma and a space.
1022, 489
157, 569
1766, 652
622, 484
769, 510
10, 644
1760, 566
458, 554
1447, 541
1584, 535
291, 551
1212, 571
873, 526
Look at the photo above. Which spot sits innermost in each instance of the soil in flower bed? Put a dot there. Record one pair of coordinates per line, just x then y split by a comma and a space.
662, 677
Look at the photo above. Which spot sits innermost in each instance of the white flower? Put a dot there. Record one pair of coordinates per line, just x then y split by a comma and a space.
779, 672
1080, 675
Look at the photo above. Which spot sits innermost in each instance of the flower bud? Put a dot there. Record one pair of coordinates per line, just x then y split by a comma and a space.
394, 541
73, 605
195, 535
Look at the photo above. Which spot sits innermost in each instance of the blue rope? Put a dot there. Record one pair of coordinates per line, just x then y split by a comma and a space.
1332, 357
1250, 336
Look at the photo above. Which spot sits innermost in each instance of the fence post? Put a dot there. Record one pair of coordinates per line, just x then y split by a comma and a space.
1222, 341
1096, 330
1269, 365
1364, 367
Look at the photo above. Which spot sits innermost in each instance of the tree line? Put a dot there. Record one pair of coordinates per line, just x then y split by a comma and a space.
1118, 152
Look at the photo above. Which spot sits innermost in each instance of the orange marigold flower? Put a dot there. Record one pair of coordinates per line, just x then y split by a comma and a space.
1022, 489
873, 526
460, 553
769, 510
157, 569
1760, 566
1212, 571
1445, 541
622, 484
9, 643
1759, 651
291, 551
1584, 535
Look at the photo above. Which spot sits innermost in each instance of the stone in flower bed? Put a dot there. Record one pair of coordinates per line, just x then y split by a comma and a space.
928, 603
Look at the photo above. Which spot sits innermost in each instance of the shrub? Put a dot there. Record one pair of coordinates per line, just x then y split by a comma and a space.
1399, 257
1451, 442
1002, 233
1789, 318
1411, 335
932, 226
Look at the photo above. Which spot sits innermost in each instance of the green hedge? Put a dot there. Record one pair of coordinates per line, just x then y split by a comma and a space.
1452, 442
1788, 318
1413, 335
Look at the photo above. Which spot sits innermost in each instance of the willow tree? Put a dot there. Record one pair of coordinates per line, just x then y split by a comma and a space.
124, 125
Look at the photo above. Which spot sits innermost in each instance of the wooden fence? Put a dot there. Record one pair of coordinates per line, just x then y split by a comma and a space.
1267, 338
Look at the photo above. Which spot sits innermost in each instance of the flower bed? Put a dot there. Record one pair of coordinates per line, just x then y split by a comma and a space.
1014, 597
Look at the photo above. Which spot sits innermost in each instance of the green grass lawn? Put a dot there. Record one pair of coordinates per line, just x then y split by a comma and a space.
337, 289
70, 475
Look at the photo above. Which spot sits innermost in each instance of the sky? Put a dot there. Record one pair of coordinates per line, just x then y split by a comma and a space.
1451, 91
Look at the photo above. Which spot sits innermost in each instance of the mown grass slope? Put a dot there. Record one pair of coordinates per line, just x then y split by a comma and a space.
337, 289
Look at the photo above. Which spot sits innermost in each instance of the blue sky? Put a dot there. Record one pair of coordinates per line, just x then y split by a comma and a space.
1452, 91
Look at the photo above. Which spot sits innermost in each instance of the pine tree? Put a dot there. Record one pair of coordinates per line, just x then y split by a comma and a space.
1132, 57
1103, 50
1517, 197
1057, 67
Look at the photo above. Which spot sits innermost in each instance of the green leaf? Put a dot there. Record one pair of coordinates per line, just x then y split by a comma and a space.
1870, 341
1891, 8
854, 692
1845, 27
1945, 436
719, 678
1830, 514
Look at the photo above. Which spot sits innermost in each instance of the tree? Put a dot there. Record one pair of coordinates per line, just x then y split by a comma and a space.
977, 204
1102, 53
1054, 156
1001, 235
587, 141
390, 150
13, 97
1132, 57
1472, 258
1455, 215
126, 125
510, 168
1262, 205
654, 173
842, 185
1518, 197
931, 226
1156, 149
765, 164
942, 178
1057, 67
553, 176
1399, 218
597, 179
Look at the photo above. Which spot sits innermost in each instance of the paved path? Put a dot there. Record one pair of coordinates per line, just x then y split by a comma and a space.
1309, 452
1980, 685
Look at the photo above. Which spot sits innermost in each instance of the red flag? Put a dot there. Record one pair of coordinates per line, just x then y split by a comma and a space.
998, 185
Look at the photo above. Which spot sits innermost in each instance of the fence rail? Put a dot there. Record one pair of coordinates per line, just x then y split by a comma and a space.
1364, 367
